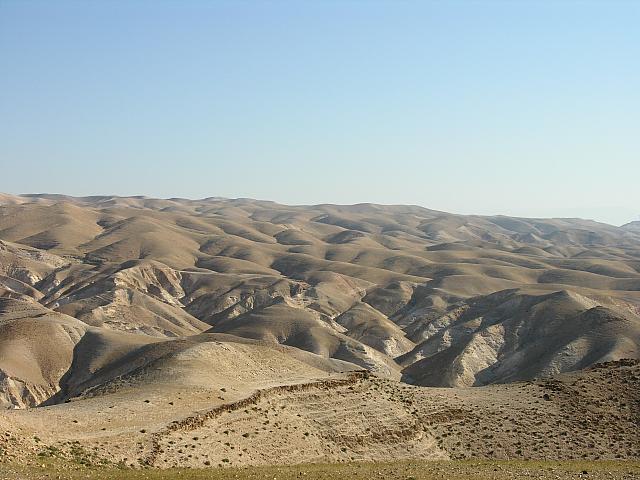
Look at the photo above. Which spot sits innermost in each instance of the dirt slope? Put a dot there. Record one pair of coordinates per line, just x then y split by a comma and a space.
287, 419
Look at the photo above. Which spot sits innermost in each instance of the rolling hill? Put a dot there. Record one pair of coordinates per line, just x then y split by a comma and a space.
93, 286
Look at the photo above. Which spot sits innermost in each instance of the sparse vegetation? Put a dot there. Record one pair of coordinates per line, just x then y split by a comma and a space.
484, 470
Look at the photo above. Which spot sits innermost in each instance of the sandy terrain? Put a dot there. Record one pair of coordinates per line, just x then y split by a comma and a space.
180, 333
589, 415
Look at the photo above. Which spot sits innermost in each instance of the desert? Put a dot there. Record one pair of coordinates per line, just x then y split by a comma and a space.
142, 335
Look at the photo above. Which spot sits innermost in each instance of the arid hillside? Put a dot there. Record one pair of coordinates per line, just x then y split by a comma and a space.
216, 419
95, 288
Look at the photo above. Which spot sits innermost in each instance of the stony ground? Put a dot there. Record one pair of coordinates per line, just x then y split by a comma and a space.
587, 416
414, 470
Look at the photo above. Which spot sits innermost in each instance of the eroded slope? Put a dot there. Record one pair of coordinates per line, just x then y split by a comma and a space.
405, 292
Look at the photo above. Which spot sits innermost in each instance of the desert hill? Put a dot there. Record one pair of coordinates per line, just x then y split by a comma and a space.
92, 287
245, 414
633, 226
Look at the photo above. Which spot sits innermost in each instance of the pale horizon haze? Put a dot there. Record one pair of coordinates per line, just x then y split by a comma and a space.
527, 108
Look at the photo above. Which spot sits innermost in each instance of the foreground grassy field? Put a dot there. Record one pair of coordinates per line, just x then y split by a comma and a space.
414, 470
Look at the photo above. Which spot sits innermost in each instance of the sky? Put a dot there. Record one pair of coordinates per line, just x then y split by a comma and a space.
527, 108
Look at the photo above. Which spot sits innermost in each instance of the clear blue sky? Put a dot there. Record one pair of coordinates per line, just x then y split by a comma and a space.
513, 107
